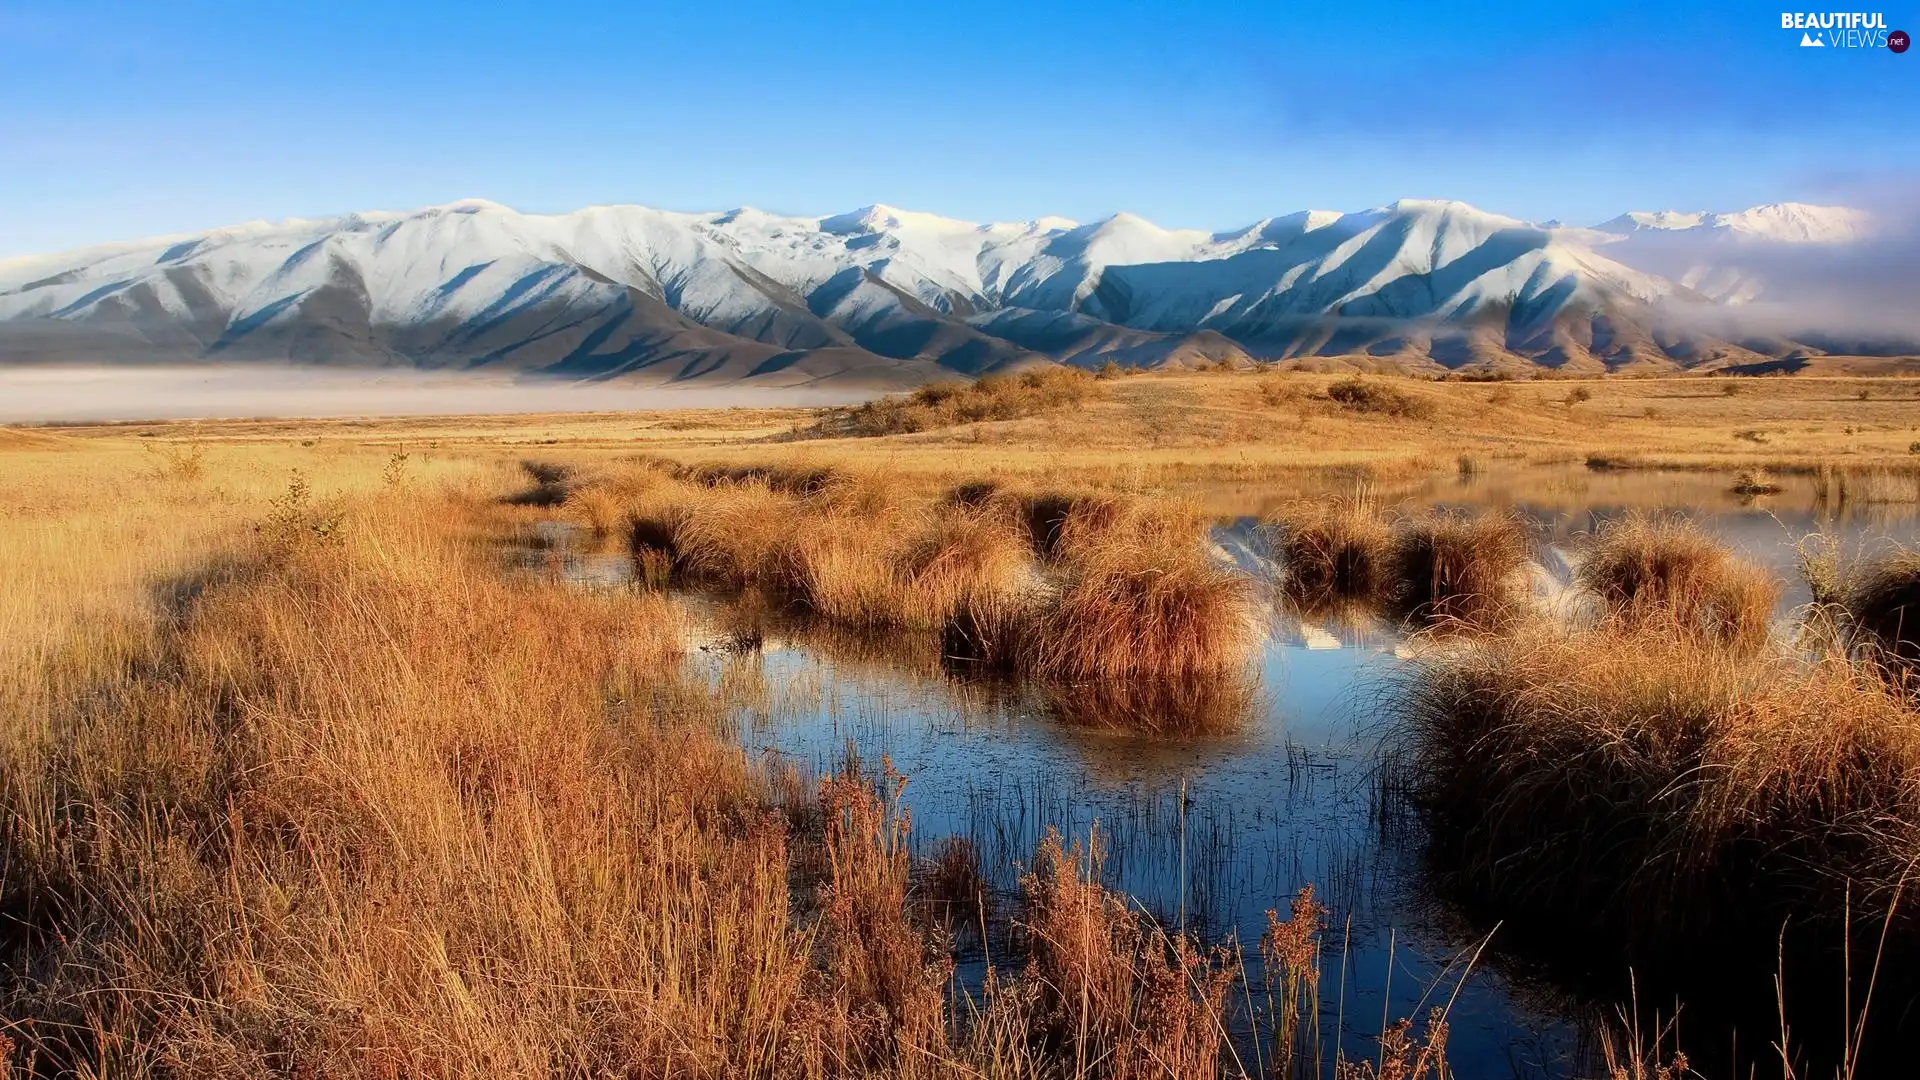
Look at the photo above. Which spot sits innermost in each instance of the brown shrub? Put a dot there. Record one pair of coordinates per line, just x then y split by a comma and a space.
991, 397
1365, 395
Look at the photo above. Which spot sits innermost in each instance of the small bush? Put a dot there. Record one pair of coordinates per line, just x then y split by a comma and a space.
182, 461
1754, 482
1373, 396
293, 521
991, 397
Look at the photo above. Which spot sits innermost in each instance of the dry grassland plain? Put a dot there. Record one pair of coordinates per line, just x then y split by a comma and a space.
297, 780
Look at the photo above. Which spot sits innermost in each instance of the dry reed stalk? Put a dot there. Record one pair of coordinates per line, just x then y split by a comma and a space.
1117, 996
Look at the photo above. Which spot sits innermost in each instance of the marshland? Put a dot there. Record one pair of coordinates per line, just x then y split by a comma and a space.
1224, 724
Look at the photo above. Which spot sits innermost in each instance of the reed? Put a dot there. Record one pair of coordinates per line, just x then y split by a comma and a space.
1115, 995
1665, 572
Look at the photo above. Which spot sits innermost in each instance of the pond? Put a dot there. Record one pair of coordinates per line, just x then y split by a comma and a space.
1274, 788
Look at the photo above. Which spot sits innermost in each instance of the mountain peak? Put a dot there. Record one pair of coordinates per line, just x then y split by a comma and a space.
1786, 222
883, 218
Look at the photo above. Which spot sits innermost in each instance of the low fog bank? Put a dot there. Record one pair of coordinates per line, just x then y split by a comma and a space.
1864, 294
94, 393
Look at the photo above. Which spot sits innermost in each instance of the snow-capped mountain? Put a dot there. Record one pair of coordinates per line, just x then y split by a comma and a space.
1780, 223
879, 294
1732, 258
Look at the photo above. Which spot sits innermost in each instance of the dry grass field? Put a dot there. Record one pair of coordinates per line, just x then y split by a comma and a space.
1220, 425
296, 780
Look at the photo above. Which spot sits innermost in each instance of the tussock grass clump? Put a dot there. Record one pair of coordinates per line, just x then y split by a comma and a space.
1059, 523
1133, 593
730, 536
1649, 786
911, 566
845, 567
1145, 601
1663, 571
1881, 602
991, 397
1335, 547
1460, 567
965, 557
1755, 482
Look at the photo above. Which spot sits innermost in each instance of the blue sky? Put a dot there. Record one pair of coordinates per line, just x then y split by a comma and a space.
122, 120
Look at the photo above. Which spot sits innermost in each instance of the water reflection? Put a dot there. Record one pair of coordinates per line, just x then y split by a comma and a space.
1218, 801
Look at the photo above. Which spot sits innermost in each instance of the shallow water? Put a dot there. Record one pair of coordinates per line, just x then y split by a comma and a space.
1209, 831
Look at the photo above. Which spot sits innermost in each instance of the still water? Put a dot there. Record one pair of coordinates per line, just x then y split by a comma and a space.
1278, 788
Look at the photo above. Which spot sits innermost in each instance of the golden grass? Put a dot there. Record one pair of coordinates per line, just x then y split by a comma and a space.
1132, 588
1663, 571
1881, 603
1145, 600
1652, 786
1343, 552
360, 804
1450, 566
1170, 428
1332, 547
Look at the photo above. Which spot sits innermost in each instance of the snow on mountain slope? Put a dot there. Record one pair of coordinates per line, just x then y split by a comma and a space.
616, 290
1786, 223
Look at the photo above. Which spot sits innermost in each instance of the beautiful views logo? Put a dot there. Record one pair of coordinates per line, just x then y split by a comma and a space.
1844, 30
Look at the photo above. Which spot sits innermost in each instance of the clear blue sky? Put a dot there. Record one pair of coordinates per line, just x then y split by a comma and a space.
120, 120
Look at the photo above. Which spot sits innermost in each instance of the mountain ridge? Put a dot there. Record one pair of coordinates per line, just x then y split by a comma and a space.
882, 294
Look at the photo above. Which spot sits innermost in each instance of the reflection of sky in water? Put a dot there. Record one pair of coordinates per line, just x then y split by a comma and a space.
1211, 831
1285, 802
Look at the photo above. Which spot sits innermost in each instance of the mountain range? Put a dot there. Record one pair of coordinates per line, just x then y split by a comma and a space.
892, 297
